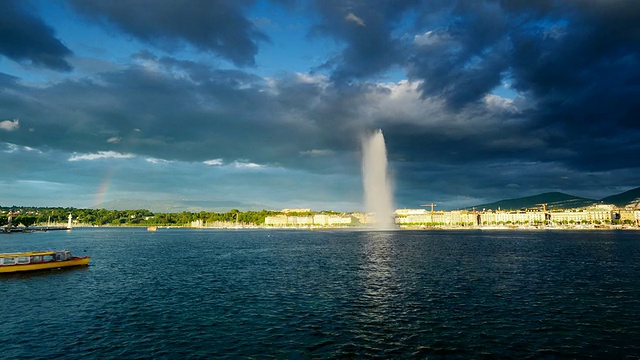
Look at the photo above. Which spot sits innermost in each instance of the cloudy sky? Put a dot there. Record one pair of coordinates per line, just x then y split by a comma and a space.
267, 101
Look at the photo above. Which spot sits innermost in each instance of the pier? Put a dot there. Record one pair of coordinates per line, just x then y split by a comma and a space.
8, 230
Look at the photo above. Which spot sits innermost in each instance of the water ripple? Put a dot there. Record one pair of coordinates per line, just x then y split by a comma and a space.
259, 294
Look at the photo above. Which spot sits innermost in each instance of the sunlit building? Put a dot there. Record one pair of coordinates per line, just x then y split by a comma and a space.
305, 221
595, 215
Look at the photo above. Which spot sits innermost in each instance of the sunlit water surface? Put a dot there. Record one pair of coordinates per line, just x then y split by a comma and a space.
326, 294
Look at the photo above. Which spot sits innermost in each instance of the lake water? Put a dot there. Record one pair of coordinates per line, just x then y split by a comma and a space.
326, 294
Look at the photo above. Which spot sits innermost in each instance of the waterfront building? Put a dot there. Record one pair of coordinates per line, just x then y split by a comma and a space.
360, 217
276, 220
197, 223
594, 215
424, 217
305, 221
331, 220
299, 220
591, 216
629, 216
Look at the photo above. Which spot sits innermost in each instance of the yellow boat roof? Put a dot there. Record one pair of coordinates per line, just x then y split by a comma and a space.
29, 253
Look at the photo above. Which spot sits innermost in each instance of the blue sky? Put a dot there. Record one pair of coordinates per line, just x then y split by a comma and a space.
265, 102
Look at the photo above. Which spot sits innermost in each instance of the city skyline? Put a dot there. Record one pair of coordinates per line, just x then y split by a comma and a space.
266, 102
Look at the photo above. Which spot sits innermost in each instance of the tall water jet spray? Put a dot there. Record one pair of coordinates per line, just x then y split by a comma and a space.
378, 197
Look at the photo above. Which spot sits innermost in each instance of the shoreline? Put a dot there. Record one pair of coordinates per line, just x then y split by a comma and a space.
367, 228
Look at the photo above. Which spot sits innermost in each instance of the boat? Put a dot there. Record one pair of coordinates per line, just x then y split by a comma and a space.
40, 260
152, 228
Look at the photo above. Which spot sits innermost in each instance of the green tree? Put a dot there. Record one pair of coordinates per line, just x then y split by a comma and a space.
26, 220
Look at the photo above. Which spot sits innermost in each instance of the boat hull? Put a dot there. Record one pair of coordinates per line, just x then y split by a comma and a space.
79, 261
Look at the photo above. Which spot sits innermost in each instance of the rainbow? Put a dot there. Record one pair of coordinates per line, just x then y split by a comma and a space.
102, 189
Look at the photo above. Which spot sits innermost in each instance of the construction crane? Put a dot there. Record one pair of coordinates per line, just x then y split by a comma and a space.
544, 206
432, 205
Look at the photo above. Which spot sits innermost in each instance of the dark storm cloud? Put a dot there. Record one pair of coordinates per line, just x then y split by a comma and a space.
576, 64
464, 59
460, 51
218, 26
366, 29
180, 110
26, 38
584, 73
464, 48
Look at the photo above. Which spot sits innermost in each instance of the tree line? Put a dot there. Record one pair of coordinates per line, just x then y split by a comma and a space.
42, 216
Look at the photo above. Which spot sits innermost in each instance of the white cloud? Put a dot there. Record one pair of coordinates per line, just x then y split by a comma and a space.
317, 152
156, 161
241, 164
214, 162
12, 148
10, 125
319, 79
114, 140
238, 164
401, 102
149, 64
496, 102
353, 18
100, 155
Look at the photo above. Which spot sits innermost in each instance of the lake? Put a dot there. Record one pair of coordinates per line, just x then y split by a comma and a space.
179, 293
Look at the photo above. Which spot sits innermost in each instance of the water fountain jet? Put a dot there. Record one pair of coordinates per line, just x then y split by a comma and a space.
378, 197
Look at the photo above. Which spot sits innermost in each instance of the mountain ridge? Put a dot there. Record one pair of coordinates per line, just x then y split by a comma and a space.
559, 200
630, 197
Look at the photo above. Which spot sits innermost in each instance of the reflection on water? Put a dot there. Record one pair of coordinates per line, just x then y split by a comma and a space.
42, 273
376, 272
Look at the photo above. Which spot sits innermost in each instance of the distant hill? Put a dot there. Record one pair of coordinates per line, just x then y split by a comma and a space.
558, 200
171, 206
631, 197
553, 200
